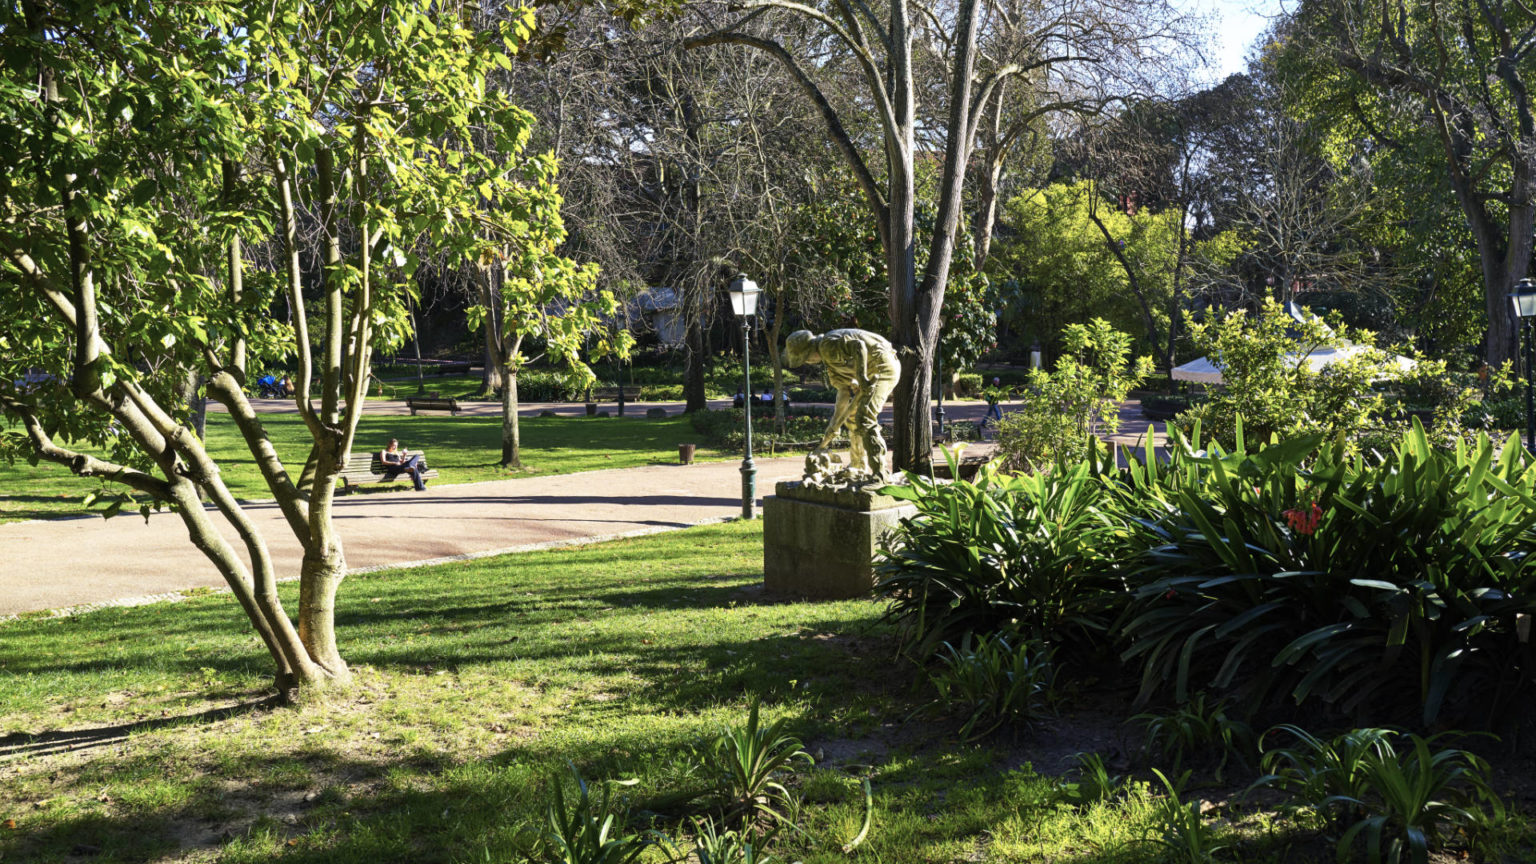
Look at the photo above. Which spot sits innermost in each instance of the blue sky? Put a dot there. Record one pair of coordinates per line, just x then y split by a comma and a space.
1238, 24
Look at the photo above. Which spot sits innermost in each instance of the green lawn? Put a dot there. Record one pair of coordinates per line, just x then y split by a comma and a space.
462, 449
137, 735
477, 683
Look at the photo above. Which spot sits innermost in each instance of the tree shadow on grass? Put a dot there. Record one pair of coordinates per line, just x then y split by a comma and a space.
347, 809
498, 624
16, 508
22, 744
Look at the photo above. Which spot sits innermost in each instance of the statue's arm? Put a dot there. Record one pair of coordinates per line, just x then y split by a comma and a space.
840, 414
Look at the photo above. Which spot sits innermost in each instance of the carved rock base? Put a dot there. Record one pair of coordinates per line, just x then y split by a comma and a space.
821, 542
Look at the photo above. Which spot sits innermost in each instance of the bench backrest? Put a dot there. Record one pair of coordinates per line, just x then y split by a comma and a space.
370, 461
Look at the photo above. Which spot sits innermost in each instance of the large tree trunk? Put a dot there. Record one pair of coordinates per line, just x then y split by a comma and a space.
1505, 256
912, 438
319, 577
918, 325
780, 410
994, 158
491, 378
322, 571
1502, 344
986, 209
1175, 306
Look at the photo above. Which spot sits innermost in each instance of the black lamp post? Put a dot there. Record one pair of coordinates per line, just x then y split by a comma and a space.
1524, 300
744, 302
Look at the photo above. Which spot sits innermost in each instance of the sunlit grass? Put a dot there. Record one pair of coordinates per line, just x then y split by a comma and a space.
477, 683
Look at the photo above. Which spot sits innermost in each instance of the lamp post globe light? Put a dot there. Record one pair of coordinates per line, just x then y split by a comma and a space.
1524, 300
744, 303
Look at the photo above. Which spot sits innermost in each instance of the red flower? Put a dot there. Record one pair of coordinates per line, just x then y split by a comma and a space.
1304, 521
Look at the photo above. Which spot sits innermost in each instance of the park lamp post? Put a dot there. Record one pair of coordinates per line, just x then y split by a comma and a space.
744, 302
1524, 300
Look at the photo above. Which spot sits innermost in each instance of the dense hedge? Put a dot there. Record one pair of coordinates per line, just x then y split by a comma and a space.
538, 385
726, 429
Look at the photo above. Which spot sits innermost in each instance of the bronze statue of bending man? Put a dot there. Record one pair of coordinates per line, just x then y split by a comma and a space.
864, 369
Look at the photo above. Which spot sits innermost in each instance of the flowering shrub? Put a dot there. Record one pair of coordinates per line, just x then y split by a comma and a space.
1297, 570
1402, 584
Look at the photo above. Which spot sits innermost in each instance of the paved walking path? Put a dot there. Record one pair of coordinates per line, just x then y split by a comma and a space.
74, 562
84, 561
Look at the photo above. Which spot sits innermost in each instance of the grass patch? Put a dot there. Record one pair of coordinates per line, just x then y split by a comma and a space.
462, 449
477, 682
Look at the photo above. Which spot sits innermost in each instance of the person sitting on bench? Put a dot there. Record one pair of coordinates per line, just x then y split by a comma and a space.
398, 460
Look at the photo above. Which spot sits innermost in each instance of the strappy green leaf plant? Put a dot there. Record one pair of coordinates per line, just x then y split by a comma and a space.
714, 846
1394, 795
1029, 553
1296, 569
1182, 832
749, 762
993, 681
1314, 769
588, 831
1198, 728
1093, 782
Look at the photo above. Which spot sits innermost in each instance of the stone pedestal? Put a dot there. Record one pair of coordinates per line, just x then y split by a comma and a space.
821, 542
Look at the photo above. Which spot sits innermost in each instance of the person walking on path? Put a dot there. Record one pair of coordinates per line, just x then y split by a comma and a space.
994, 396
398, 460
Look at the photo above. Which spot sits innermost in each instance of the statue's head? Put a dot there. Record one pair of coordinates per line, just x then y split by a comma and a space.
797, 348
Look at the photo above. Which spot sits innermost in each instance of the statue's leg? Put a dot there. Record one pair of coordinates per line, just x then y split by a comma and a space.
867, 450
856, 446
874, 447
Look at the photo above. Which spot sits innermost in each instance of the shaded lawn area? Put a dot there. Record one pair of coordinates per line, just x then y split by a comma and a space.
476, 683
462, 449
453, 386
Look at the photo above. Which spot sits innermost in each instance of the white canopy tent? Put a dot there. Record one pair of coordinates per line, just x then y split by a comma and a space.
1205, 371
